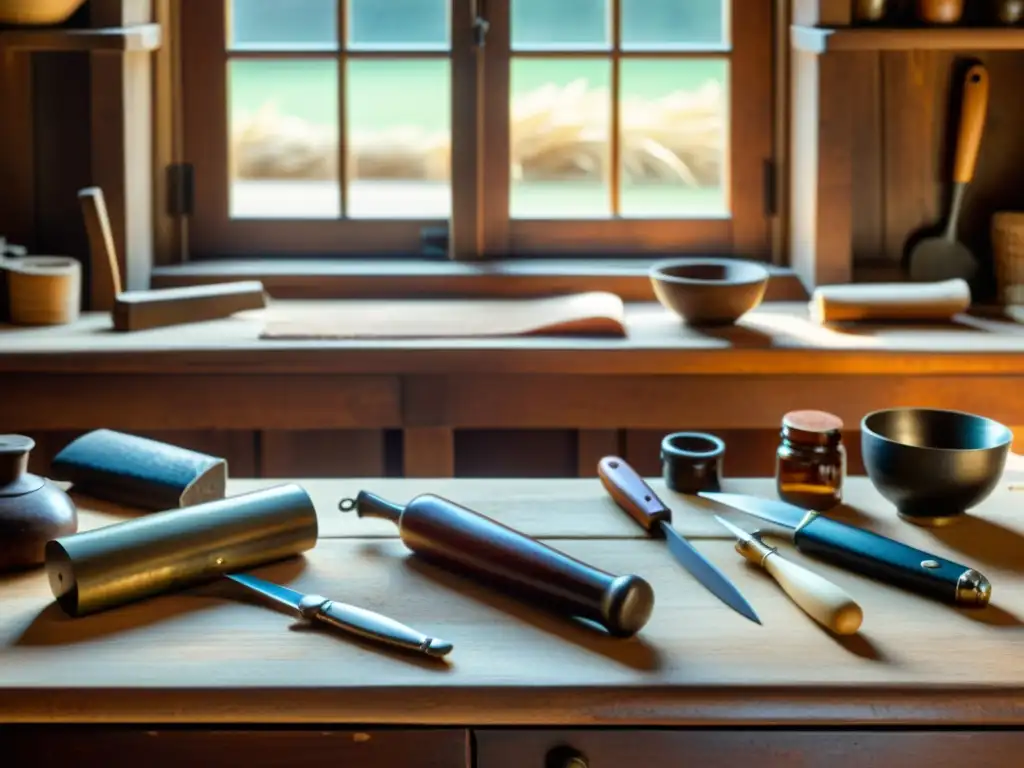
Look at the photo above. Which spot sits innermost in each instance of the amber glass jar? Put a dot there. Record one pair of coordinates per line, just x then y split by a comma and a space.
811, 461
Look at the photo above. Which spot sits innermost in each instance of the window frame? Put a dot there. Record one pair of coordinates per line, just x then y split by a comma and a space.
480, 226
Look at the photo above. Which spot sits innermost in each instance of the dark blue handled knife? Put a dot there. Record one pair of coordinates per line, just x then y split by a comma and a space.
864, 552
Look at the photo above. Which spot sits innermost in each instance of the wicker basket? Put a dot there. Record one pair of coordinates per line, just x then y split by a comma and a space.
1008, 256
37, 11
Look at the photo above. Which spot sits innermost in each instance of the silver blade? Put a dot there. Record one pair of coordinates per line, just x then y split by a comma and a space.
275, 592
785, 516
707, 574
736, 531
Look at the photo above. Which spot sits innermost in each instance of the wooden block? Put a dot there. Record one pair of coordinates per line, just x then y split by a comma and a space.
140, 472
142, 310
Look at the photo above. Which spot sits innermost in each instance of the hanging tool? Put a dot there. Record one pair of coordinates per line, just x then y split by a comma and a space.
825, 602
638, 499
945, 257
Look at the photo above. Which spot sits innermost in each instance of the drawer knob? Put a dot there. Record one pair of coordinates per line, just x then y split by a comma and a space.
566, 757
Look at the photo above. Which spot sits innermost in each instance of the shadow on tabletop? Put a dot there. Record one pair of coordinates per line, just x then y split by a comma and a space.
634, 652
54, 627
984, 543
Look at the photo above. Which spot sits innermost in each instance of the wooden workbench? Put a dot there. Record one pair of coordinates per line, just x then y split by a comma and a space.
328, 404
520, 681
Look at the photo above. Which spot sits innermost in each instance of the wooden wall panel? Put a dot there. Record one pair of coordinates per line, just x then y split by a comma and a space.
515, 453
62, 144
594, 444
428, 452
322, 453
868, 191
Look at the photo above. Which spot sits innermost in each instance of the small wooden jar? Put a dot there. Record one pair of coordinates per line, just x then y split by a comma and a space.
43, 290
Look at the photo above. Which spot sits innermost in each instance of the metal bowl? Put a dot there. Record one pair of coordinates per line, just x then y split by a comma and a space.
933, 464
709, 291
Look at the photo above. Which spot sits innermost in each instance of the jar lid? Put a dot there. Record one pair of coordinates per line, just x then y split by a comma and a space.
14, 477
815, 427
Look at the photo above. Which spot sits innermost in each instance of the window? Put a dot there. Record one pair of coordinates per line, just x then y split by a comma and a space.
511, 127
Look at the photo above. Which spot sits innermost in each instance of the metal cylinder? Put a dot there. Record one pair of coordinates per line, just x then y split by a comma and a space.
179, 548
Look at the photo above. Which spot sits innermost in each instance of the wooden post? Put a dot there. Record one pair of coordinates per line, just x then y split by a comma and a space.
122, 139
821, 169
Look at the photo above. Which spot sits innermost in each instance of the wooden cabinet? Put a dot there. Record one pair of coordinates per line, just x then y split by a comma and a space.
731, 748
114, 747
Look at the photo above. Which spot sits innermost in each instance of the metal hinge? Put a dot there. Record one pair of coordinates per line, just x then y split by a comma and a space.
770, 201
180, 189
481, 25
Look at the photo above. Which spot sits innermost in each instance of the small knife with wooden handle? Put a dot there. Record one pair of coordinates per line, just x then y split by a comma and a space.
825, 602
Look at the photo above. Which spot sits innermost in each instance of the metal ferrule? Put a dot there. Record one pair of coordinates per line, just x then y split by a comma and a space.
973, 589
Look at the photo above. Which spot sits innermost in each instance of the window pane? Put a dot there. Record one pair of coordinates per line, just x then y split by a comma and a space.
560, 24
399, 141
560, 120
284, 139
673, 135
401, 24
276, 24
673, 23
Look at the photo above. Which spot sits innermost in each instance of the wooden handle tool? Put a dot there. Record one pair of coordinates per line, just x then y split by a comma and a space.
142, 310
104, 272
881, 302
467, 542
825, 602
972, 122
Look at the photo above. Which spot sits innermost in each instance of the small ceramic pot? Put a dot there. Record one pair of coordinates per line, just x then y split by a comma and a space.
940, 11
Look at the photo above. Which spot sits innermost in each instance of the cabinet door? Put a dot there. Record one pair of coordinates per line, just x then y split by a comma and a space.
109, 747
765, 749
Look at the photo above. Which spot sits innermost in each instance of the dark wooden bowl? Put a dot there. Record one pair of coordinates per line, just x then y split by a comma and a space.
933, 464
709, 291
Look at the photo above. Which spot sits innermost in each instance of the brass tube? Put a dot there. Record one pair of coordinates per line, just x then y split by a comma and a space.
178, 548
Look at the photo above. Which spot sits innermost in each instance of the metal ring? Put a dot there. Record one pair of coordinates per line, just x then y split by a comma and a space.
347, 505
692, 461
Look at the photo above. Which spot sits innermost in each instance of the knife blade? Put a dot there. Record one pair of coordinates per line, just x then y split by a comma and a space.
825, 602
864, 552
358, 621
637, 498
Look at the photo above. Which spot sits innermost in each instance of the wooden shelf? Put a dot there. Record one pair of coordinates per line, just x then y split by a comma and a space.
823, 39
144, 37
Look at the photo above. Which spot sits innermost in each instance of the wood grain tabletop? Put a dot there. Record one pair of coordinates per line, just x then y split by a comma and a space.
214, 655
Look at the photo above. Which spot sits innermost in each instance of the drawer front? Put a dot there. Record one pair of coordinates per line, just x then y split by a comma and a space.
108, 747
764, 749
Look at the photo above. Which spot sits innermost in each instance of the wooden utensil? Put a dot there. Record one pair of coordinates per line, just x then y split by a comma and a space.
142, 310
467, 542
825, 602
945, 257
882, 302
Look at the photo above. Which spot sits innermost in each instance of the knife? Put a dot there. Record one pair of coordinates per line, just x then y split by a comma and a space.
637, 498
358, 621
825, 602
865, 552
